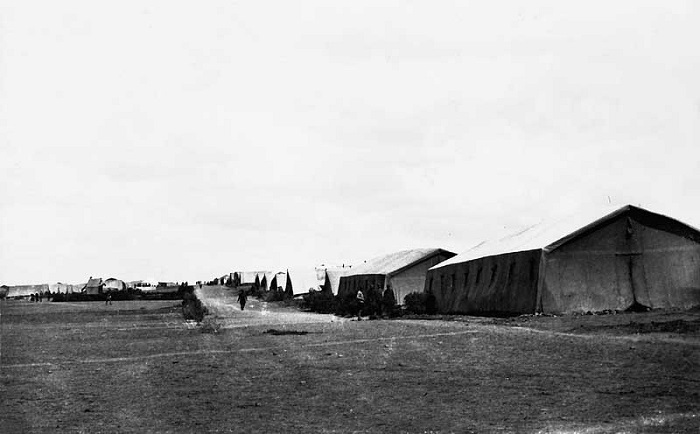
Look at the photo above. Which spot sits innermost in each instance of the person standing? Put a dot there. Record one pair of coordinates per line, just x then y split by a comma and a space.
360, 304
242, 298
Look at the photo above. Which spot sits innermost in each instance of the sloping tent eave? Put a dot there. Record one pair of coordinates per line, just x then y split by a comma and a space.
587, 229
423, 259
595, 225
364, 275
440, 265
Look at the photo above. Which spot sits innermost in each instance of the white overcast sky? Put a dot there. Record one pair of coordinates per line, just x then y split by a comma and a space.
183, 140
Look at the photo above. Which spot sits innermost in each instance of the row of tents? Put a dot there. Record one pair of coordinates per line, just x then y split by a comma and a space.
93, 286
627, 258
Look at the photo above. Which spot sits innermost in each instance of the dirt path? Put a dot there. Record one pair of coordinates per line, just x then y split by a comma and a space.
224, 308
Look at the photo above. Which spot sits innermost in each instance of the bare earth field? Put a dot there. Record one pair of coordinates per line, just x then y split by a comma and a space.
138, 367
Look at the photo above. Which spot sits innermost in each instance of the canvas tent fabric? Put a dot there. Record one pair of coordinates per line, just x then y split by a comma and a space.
404, 271
64, 288
278, 280
113, 284
93, 286
627, 258
246, 277
26, 291
332, 278
304, 279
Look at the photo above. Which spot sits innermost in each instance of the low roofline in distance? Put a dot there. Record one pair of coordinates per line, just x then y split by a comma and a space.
425, 258
365, 274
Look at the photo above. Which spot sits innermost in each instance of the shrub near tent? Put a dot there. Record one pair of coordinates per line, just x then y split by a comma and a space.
320, 301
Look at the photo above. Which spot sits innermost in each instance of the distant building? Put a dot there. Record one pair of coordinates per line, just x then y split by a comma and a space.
403, 271
93, 286
239, 278
113, 284
64, 288
19, 292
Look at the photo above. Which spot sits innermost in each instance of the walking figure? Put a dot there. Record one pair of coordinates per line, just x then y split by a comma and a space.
242, 297
108, 300
360, 304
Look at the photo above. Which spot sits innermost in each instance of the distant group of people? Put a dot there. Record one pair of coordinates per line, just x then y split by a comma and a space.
387, 301
38, 297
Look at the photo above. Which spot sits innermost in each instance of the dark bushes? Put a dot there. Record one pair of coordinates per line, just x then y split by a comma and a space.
346, 304
420, 303
192, 307
272, 295
389, 307
320, 301
377, 303
129, 294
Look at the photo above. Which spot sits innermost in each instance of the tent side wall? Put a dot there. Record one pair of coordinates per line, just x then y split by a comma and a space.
349, 285
412, 279
501, 284
671, 270
585, 274
638, 257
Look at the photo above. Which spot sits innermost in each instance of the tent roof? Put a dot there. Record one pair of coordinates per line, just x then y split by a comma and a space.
267, 275
281, 278
394, 262
334, 275
26, 290
249, 276
304, 279
94, 283
545, 235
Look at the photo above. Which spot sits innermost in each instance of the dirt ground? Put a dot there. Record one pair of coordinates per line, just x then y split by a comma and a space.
138, 367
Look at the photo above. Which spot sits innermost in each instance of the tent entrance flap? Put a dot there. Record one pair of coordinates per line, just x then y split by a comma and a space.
632, 271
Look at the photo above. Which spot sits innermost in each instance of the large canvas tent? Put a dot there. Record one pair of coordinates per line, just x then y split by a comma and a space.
629, 258
404, 271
